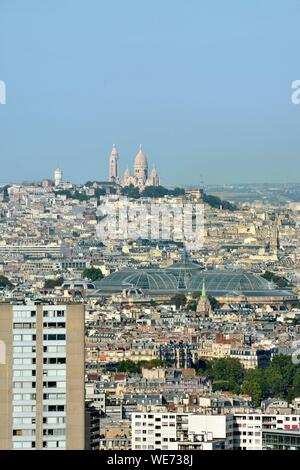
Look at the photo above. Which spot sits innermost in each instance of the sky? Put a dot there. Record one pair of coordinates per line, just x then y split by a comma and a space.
204, 86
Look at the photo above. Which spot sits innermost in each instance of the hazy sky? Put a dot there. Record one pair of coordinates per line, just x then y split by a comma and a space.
205, 86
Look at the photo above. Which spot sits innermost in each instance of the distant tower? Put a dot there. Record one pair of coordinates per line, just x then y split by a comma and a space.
58, 176
203, 306
127, 180
140, 168
275, 239
114, 165
153, 179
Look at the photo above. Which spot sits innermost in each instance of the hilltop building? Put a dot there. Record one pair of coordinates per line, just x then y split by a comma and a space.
140, 177
57, 176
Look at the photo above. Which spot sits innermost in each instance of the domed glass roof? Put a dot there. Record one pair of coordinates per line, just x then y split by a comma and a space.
153, 280
238, 281
171, 281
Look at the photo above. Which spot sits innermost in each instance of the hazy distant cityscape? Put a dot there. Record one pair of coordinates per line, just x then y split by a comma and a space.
142, 344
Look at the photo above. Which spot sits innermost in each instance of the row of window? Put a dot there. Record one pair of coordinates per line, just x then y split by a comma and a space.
28, 314
53, 314
25, 361
54, 360
157, 418
54, 349
32, 314
24, 373
55, 325
145, 447
54, 432
54, 373
23, 432
32, 326
54, 444
165, 439
268, 418
26, 420
54, 420
23, 384
164, 425
24, 396
24, 349
24, 337
54, 337
24, 326
54, 384
24, 445
54, 396
52, 408
47, 445
24, 409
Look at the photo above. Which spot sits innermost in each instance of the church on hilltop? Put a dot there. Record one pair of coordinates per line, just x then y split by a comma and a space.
140, 177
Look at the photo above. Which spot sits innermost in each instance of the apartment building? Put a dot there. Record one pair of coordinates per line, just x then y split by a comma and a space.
249, 428
280, 440
174, 431
42, 377
252, 358
189, 431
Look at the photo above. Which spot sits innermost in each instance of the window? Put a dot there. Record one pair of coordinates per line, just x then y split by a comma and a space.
49, 384
54, 337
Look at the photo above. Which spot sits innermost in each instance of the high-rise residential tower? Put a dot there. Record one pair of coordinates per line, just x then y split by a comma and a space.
42, 377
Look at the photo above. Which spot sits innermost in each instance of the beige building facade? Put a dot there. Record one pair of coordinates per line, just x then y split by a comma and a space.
42, 377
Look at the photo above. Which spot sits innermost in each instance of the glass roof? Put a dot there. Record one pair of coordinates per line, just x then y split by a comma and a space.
164, 281
230, 281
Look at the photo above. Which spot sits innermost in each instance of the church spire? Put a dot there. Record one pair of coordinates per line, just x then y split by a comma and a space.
114, 164
203, 293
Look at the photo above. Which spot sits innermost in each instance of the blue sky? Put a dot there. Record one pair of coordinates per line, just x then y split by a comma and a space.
204, 86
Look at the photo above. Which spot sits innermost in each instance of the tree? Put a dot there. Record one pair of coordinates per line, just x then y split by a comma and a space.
192, 305
52, 283
295, 391
4, 282
128, 366
94, 274
275, 382
278, 280
177, 192
216, 202
227, 369
226, 386
152, 364
136, 367
130, 191
201, 366
254, 390
155, 191
100, 192
282, 366
179, 300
